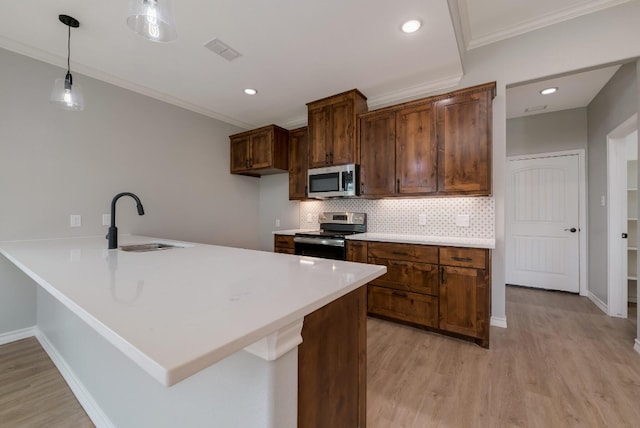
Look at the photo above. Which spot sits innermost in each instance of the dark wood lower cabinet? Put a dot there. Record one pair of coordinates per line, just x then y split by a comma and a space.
444, 289
332, 364
403, 305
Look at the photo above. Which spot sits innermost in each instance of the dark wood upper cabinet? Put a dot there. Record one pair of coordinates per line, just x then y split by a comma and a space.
398, 151
298, 158
434, 146
416, 150
333, 137
464, 142
260, 151
377, 154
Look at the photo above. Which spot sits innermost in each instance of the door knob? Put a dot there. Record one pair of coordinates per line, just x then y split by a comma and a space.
572, 230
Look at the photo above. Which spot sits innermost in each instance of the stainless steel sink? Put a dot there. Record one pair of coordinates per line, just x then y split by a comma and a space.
154, 246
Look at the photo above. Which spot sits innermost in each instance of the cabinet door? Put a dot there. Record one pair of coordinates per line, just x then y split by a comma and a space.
416, 150
377, 154
261, 153
463, 301
464, 144
357, 251
343, 128
240, 154
298, 158
319, 136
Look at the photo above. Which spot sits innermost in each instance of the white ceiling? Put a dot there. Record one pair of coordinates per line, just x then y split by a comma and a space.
488, 21
293, 51
574, 91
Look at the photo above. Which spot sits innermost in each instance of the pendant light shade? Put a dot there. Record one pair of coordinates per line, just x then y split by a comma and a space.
65, 93
152, 19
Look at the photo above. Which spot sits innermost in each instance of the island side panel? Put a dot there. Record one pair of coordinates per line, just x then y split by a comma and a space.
332, 364
241, 390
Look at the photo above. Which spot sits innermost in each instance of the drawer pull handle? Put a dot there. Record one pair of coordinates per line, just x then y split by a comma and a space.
442, 278
399, 294
400, 253
462, 259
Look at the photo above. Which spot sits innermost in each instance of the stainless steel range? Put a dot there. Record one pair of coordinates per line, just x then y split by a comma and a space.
329, 241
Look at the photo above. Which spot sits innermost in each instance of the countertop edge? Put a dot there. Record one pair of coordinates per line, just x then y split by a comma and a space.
485, 243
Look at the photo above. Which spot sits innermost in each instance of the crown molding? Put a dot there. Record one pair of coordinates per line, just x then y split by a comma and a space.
40, 55
529, 25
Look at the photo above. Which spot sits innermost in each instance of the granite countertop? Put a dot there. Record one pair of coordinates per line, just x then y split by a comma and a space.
186, 308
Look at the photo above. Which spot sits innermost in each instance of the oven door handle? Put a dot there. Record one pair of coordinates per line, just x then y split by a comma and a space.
319, 241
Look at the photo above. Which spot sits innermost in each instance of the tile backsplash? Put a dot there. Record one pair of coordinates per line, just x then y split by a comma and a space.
401, 215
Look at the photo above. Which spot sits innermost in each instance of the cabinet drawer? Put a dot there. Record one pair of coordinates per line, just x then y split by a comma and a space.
283, 250
409, 276
409, 252
403, 305
284, 241
463, 257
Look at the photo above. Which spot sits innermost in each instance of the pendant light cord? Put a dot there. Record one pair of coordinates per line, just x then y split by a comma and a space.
69, 50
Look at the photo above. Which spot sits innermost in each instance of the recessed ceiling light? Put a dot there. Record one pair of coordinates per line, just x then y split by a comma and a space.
411, 26
250, 91
548, 91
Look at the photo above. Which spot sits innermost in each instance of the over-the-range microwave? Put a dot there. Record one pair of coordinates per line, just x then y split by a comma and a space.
333, 181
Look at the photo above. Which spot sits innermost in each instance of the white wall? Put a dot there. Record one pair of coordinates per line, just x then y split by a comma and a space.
275, 205
615, 103
54, 163
547, 132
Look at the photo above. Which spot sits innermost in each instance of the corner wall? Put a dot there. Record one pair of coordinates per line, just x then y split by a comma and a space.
614, 104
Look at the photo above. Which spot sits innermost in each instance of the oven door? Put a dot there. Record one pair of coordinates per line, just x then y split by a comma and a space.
326, 248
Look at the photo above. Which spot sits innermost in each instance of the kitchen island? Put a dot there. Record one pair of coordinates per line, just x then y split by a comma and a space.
197, 335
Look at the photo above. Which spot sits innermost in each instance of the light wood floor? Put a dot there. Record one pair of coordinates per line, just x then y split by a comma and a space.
561, 363
32, 391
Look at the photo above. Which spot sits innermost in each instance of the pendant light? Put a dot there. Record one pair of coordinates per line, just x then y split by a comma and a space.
65, 93
152, 19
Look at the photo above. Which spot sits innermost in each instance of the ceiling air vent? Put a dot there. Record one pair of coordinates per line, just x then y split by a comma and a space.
222, 49
536, 108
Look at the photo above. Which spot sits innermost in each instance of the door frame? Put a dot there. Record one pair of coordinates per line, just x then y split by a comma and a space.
583, 279
617, 286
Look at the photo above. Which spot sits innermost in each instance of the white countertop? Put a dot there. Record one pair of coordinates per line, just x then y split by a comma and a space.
425, 240
175, 312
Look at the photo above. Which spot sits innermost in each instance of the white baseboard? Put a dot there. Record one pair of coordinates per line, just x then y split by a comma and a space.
599, 303
12, 336
88, 403
499, 322
637, 346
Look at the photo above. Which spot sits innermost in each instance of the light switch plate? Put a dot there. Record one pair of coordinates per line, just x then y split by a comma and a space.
422, 219
75, 220
106, 219
309, 218
462, 220
277, 222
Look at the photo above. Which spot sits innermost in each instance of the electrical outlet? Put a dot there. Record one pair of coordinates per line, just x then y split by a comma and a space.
277, 222
422, 219
309, 218
106, 219
603, 201
75, 220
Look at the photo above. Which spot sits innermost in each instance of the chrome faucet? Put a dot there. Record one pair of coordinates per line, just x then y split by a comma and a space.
112, 236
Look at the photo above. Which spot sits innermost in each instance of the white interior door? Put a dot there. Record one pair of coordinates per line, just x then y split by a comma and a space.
543, 230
